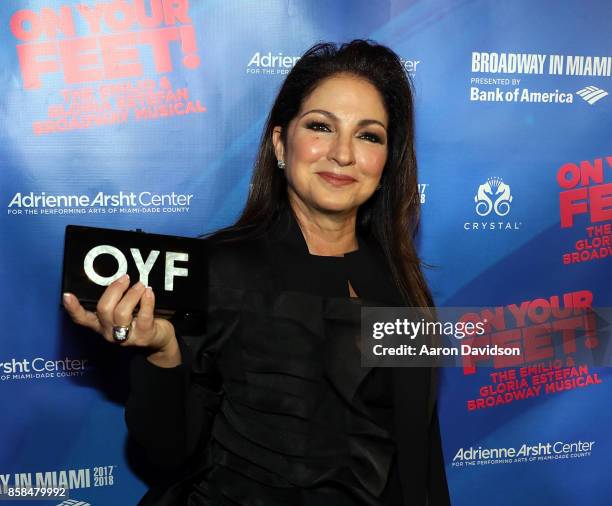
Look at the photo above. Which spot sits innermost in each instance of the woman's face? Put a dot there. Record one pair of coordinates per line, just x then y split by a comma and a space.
336, 146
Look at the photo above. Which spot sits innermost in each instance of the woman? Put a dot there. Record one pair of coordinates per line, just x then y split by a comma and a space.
262, 400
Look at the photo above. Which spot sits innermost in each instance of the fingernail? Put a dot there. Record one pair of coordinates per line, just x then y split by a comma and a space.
124, 278
149, 292
66, 297
138, 285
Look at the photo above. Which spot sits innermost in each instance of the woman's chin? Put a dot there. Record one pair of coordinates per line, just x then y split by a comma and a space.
336, 206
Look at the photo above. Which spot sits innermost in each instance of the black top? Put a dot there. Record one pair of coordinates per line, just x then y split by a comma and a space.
271, 406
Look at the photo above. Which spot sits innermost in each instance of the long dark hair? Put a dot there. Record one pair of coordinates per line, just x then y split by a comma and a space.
391, 215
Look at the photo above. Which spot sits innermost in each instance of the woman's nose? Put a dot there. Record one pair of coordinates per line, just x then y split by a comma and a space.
342, 150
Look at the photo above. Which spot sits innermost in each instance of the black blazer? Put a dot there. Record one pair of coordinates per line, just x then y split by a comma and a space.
184, 416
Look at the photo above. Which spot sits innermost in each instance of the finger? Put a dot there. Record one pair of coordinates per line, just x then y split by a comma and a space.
111, 296
122, 314
79, 314
144, 322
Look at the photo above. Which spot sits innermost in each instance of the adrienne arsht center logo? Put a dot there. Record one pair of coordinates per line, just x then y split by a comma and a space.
42, 203
270, 64
410, 65
492, 201
41, 368
541, 451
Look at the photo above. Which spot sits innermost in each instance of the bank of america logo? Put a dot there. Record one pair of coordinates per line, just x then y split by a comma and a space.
592, 94
73, 502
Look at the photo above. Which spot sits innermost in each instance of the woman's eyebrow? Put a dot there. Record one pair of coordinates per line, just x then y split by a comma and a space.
331, 115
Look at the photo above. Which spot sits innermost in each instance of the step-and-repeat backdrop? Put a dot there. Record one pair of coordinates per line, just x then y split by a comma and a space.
146, 114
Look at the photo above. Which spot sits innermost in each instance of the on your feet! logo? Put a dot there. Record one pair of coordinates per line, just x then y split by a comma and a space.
585, 209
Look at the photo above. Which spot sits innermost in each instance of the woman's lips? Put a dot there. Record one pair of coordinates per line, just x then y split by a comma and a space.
336, 179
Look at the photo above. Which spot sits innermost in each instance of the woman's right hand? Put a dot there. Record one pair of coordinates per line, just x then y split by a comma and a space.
116, 307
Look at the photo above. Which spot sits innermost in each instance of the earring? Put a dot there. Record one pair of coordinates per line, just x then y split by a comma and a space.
281, 164
379, 186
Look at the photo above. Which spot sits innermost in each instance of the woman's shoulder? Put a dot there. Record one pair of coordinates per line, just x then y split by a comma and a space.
235, 256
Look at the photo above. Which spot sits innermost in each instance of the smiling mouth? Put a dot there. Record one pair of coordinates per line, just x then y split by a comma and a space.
336, 179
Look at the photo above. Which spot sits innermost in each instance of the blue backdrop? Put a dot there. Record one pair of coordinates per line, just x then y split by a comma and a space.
105, 107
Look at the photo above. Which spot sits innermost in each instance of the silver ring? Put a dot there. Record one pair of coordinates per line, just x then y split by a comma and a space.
121, 333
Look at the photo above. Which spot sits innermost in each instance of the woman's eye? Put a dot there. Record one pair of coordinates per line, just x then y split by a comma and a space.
371, 137
318, 126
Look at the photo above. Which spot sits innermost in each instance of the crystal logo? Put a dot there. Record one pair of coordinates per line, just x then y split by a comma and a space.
493, 199
493, 195
591, 94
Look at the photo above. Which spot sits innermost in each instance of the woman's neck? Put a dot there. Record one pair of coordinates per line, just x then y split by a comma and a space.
326, 234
